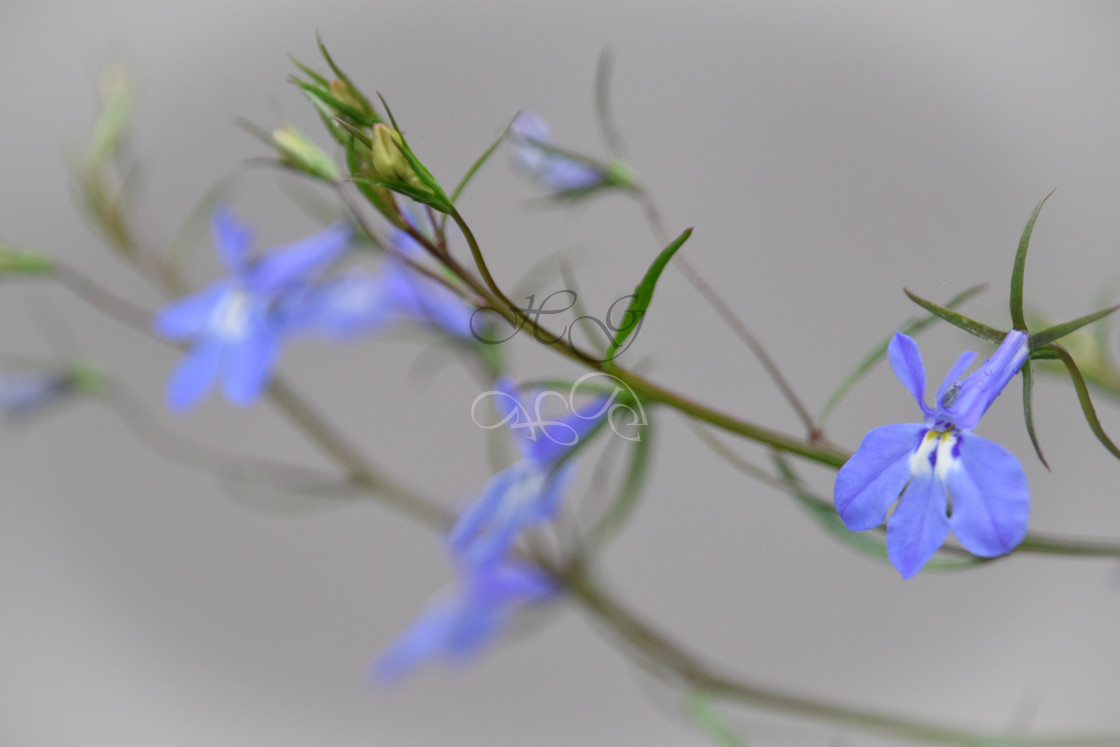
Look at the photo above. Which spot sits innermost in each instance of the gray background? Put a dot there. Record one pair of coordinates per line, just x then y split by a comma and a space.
828, 154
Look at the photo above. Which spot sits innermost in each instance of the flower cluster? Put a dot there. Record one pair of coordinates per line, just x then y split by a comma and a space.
238, 324
941, 474
493, 583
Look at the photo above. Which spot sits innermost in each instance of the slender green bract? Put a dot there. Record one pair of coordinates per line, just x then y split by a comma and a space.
1018, 320
643, 294
971, 326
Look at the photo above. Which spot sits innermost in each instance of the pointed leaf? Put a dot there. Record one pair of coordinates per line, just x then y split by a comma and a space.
971, 326
340, 106
880, 352
1083, 398
1018, 321
1059, 331
1028, 412
643, 294
478, 164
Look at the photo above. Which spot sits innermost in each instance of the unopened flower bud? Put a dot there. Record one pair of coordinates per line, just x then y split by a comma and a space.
389, 161
298, 151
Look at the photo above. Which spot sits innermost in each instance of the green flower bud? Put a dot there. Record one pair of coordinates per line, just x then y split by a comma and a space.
298, 151
389, 161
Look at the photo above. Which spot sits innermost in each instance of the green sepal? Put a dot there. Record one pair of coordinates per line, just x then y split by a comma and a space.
1028, 410
880, 352
14, 261
971, 326
338, 105
355, 165
367, 107
643, 294
438, 199
1018, 320
1083, 397
1059, 331
872, 544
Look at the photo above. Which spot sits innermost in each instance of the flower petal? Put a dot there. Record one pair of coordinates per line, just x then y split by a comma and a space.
559, 435
906, 361
480, 513
190, 316
193, 376
919, 525
233, 239
991, 502
248, 364
873, 478
286, 265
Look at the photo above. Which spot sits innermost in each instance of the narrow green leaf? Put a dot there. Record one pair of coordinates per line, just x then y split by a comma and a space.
703, 714
1083, 398
310, 73
478, 164
971, 326
643, 294
880, 352
337, 104
629, 491
14, 261
1059, 331
1018, 321
1028, 411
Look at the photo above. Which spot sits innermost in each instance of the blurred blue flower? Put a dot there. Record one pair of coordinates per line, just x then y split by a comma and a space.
942, 475
529, 491
233, 323
532, 153
461, 621
361, 301
24, 392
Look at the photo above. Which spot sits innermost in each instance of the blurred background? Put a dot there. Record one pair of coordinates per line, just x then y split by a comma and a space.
827, 154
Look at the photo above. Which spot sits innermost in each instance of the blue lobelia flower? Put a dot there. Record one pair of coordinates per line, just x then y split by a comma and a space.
529, 491
361, 301
460, 622
528, 133
233, 323
942, 475
25, 392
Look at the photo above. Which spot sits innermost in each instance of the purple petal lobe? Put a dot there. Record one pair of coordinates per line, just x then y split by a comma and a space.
194, 375
298, 262
190, 316
233, 240
919, 525
873, 478
248, 363
906, 361
991, 503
